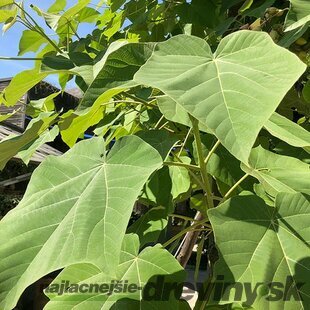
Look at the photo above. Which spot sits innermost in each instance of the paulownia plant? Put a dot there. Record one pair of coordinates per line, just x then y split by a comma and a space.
198, 113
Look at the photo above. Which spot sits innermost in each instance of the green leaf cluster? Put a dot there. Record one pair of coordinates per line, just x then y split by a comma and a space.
199, 115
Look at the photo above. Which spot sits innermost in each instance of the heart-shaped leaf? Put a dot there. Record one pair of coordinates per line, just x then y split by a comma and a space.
76, 206
135, 268
265, 249
233, 91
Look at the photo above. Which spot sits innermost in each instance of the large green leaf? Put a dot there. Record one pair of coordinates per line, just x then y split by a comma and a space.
259, 245
288, 131
298, 15
137, 268
278, 173
5, 2
233, 91
117, 69
88, 15
76, 206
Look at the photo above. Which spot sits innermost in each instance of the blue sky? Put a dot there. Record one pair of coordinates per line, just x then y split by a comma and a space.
9, 41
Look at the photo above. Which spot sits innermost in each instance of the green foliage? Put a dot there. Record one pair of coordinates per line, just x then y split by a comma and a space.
205, 84
134, 267
77, 181
197, 107
270, 237
298, 15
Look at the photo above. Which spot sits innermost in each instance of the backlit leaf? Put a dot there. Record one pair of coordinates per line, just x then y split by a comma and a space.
30, 41
11, 146
20, 84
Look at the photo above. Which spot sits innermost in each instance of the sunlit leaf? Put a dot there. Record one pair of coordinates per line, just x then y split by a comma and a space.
30, 41
45, 137
10, 147
288, 131
20, 84
87, 15
278, 173
4, 117
74, 203
136, 268
261, 245
234, 91
78, 122
57, 6
8, 11
9, 23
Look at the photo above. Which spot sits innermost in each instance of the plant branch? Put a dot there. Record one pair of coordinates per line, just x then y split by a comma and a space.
18, 58
184, 231
227, 195
181, 164
38, 28
185, 140
191, 237
146, 103
216, 145
159, 121
202, 165
73, 30
190, 240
